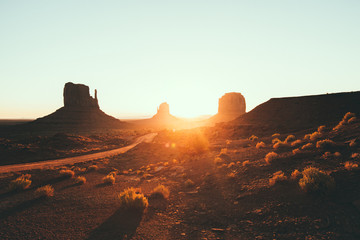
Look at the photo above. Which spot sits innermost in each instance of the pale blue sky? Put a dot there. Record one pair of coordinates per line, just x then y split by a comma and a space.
188, 53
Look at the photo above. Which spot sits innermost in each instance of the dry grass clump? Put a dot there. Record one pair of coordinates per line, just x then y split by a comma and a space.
347, 119
276, 135
353, 143
275, 140
231, 175
109, 179
92, 168
316, 181
281, 145
260, 145
232, 164
296, 143
295, 174
80, 180
45, 191
296, 151
290, 138
22, 182
277, 177
355, 156
67, 173
218, 161
321, 129
253, 138
245, 163
307, 146
133, 199
161, 191
350, 165
189, 183
325, 144
270, 157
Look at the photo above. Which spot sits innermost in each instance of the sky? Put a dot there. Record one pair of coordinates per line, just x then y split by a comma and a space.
138, 54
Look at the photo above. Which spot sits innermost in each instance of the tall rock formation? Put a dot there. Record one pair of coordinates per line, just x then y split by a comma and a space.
80, 111
231, 106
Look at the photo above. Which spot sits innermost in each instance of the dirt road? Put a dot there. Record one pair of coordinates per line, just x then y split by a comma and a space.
70, 160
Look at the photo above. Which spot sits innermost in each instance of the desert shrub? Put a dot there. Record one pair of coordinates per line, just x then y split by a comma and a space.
80, 180
93, 168
280, 145
307, 146
245, 163
45, 191
290, 138
22, 182
321, 129
295, 174
189, 183
231, 175
275, 140
276, 135
161, 191
223, 151
355, 155
232, 164
350, 165
253, 138
228, 142
296, 151
296, 143
307, 137
260, 145
67, 173
174, 161
337, 154
270, 157
132, 199
327, 155
345, 121
348, 116
109, 179
218, 161
325, 144
113, 173
316, 181
277, 177
353, 143
315, 135
352, 120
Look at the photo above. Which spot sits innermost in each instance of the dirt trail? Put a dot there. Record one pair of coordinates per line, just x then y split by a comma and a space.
71, 160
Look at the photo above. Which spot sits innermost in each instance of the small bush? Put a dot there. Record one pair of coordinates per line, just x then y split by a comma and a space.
232, 164
270, 157
189, 183
67, 173
353, 143
325, 144
350, 165
296, 143
275, 140
132, 199
321, 129
355, 156
80, 180
161, 191
295, 174
277, 177
316, 181
109, 179
296, 151
92, 168
280, 145
290, 138
276, 135
231, 175
253, 138
218, 161
245, 163
22, 182
223, 151
352, 120
260, 145
307, 146
45, 191
347, 119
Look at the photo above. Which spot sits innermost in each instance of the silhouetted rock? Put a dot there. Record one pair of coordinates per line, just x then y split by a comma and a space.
80, 111
231, 106
163, 109
77, 95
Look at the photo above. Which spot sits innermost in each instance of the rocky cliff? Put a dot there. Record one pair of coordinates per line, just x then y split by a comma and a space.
231, 106
78, 96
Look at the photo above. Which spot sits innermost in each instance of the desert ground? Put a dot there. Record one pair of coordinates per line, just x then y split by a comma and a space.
217, 183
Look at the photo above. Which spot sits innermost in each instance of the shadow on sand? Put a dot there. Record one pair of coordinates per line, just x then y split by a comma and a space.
20, 207
121, 225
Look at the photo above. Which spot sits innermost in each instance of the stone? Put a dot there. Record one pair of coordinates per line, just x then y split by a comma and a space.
163, 109
232, 103
77, 95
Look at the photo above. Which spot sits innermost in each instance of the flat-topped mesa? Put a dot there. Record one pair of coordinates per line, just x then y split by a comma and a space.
163, 109
78, 96
232, 103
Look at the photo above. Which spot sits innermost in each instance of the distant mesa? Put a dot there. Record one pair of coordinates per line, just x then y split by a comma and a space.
163, 109
231, 106
80, 110
78, 96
